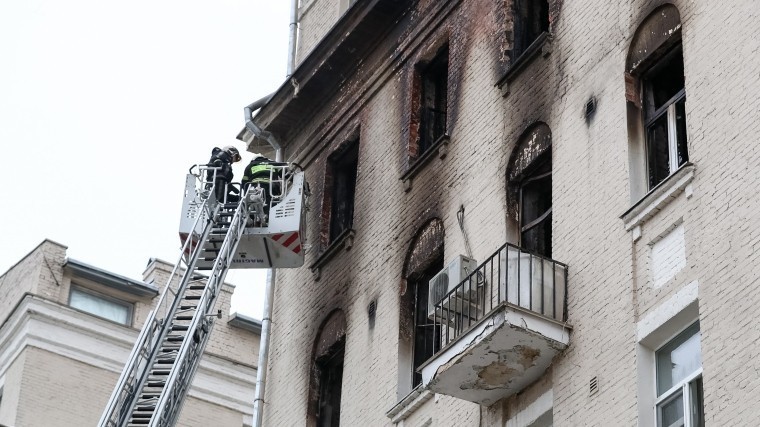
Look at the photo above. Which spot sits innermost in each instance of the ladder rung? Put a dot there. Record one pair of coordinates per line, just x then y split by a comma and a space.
180, 327
197, 287
185, 317
188, 307
192, 297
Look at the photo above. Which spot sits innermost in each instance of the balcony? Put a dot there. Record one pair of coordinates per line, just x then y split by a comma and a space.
498, 330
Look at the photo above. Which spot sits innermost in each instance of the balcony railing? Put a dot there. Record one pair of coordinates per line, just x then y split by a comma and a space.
511, 276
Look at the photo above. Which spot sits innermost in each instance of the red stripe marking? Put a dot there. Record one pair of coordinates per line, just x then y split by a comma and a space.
277, 237
297, 249
291, 239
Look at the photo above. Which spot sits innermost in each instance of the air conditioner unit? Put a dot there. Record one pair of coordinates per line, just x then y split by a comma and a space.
445, 282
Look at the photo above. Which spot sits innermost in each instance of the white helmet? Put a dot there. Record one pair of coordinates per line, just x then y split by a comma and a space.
233, 152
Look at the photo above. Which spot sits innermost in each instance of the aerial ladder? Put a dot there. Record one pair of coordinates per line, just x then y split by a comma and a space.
216, 236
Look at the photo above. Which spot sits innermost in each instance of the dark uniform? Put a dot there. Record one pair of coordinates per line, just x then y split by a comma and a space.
222, 159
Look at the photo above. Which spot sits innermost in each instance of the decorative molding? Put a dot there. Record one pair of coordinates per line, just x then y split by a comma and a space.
409, 404
345, 240
105, 345
659, 197
440, 149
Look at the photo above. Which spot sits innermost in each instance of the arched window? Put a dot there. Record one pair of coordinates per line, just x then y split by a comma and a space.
530, 184
419, 337
656, 95
327, 372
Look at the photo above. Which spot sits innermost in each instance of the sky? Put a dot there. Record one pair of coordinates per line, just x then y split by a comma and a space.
104, 105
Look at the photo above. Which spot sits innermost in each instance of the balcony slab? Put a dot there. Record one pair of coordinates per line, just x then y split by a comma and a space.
502, 355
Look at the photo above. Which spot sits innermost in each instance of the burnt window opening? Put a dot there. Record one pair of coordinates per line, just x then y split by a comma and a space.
330, 383
531, 19
536, 207
664, 104
343, 168
427, 335
434, 100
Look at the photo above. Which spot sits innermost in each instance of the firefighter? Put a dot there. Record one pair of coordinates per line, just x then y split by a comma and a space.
259, 172
223, 158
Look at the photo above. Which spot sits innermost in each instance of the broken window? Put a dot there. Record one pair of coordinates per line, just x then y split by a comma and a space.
531, 19
343, 168
530, 184
656, 101
434, 100
664, 100
536, 208
427, 335
330, 378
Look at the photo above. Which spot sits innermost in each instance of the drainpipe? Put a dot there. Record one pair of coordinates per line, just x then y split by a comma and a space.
266, 321
293, 37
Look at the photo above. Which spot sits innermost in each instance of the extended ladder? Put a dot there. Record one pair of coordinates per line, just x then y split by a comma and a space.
157, 376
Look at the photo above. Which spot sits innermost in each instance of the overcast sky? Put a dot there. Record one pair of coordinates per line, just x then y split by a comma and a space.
104, 105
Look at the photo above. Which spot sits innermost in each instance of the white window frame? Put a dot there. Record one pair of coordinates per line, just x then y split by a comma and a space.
683, 386
129, 306
659, 326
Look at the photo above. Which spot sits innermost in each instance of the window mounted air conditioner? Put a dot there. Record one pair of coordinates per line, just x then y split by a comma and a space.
445, 282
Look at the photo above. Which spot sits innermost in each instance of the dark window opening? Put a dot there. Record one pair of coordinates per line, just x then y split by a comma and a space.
434, 103
427, 336
536, 208
531, 19
665, 116
330, 378
344, 168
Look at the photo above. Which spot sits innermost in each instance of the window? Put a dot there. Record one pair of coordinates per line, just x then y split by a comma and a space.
531, 19
419, 339
679, 381
656, 101
536, 208
343, 168
665, 116
330, 371
434, 100
327, 372
530, 180
101, 305
427, 336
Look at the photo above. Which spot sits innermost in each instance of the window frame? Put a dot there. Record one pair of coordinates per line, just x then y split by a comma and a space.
520, 24
344, 167
683, 386
668, 109
130, 306
434, 74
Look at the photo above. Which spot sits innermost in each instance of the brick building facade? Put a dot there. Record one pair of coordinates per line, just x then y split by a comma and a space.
613, 137
68, 328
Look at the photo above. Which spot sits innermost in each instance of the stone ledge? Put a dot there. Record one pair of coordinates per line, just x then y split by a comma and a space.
409, 404
659, 197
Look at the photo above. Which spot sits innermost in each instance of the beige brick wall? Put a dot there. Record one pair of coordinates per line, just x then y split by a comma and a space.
70, 384
37, 271
315, 18
611, 285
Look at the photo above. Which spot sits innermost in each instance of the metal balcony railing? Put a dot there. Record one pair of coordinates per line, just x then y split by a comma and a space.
510, 276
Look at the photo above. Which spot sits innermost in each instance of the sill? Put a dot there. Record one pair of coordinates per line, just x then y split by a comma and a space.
542, 45
409, 404
659, 197
440, 149
344, 240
